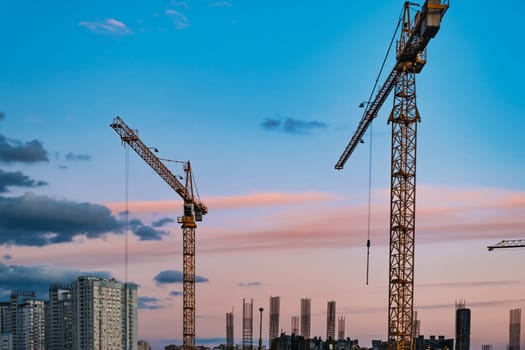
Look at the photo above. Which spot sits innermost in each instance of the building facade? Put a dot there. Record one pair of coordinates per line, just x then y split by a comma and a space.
330, 320
104, 314
514, 329
59, 318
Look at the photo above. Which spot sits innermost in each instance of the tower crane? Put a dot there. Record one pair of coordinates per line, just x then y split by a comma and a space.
508, 243
416, 32
194, 209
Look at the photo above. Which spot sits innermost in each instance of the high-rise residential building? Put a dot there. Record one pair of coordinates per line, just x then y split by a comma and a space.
229, 330
341, 327
59, 318
514, 329
143, 345
486, 347
295, 325
26, 321
330, 320
6, 341
4, 316
274, 318
104, 314
247, 325
305, 317
462, 326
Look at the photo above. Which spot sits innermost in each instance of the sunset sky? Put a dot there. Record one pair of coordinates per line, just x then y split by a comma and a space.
262, 97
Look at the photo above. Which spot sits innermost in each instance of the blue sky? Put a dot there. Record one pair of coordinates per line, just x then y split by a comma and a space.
202, 79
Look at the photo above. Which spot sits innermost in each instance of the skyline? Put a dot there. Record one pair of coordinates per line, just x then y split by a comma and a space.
262, 98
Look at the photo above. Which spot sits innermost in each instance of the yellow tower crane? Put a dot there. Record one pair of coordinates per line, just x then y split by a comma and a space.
416, 32
194, 209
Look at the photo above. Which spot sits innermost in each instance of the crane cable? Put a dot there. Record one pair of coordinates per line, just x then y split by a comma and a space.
370, 152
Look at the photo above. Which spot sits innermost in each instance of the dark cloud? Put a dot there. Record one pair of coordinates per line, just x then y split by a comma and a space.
144, 232
38, 278
249, 284
291, 126
8, 256
176, 293
149, 303
174, 276
16, 151
73, 157
18, 179
2, 116
34, 220
162, 222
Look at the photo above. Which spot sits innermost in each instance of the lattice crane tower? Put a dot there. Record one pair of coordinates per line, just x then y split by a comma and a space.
416, 32
194, 209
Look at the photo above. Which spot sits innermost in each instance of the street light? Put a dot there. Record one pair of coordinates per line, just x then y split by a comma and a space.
260, 329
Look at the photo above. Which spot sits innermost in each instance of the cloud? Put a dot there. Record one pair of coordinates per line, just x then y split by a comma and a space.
180, 19
8, 256
176, 293
38, 277
249, 284
174, 276
17, 151
292, 126
147, 233
149, 303
109, 26
220, 4
162, 222
254, 200
2, 116
17, 179
34, 220
73, 157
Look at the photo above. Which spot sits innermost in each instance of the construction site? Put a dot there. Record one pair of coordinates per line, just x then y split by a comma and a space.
290, 138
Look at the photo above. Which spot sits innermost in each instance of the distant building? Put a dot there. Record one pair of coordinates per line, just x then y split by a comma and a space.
330, 320
26, 321
104, 314
59, 322
305, 317
341, 327
143, 345
273, 329
462, 326
247, 324
486, 347
229, 330
514, 329
433, 343
295, 325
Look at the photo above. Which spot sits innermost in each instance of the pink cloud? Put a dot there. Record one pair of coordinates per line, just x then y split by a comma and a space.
255, 200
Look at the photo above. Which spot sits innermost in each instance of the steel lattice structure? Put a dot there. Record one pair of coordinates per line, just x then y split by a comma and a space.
416, 32
194, 209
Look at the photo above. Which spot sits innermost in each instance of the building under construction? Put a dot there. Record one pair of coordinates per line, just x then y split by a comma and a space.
341, 327
330, 320
295, 325
247, 325
229, 330
275, 303
514, 329
305, 317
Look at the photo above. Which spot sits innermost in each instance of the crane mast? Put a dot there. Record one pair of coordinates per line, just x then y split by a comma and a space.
194, 209
416, 32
